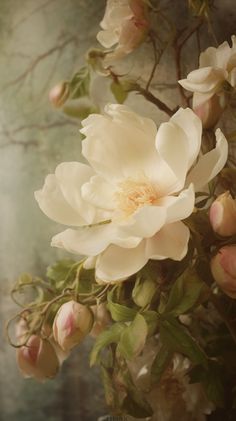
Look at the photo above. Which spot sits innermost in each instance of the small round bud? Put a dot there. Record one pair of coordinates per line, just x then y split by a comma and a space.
210, 111
223, 215
72, 323
37, 359
101, 319
223, 268
59, 94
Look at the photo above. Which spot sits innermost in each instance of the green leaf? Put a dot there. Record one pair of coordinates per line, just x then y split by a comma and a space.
177, 339
136, 409
119, 312
104, 339
143, 291
211, 380
59, 270
109, 389
118, 91
80, 83
24, 279
134, 403
160, 364
133, 338
187, 291
152, 319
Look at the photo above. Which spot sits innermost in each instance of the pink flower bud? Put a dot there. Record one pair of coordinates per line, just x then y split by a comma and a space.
101, 319
72, 323
223, 215
210, 111
59, 94
37, 359
223, 268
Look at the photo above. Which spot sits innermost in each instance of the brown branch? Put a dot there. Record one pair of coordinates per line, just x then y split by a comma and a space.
30, 69
156, 101
178, 47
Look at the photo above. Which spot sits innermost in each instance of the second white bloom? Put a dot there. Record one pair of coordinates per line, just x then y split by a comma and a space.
127, 206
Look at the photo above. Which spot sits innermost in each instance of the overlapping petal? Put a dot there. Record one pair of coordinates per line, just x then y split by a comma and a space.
210, 164
140, 186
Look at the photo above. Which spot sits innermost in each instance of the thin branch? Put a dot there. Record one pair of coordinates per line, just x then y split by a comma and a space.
30, 69
156, 101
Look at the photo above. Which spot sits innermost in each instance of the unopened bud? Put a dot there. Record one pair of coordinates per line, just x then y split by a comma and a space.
72, 323
101, 319
223, 268
223, 215
37, 359
59, 94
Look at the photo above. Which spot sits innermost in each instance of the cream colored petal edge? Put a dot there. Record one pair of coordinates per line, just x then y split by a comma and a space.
117, 263
52, 202
210, 164
171, 242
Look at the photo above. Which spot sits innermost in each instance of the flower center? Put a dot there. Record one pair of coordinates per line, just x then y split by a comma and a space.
133, 194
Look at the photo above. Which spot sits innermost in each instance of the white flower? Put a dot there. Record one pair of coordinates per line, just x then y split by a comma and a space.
129, 203
216, 66
125, 23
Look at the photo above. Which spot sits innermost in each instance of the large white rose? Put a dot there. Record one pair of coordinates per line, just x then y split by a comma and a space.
125, 23
216, 65
129, 203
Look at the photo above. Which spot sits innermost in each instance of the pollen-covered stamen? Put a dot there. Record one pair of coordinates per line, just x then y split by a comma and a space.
133, 194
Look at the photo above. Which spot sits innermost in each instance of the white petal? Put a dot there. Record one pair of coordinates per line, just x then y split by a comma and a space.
210, 164
90, 263
120, 144
204, 80
146, 221
71, 176
187, 120
91, 241
107, 38
118, 263
99, 193
170, 242
179, 207
53, 203
172, 145
208, 58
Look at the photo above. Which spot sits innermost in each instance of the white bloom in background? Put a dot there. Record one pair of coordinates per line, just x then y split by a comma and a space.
127, 206
216, 66
176, 398
124, 24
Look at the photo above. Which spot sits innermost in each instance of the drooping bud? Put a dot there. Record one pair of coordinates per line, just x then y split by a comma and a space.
101, 319
59, 94
37, 359
223, 215
72, 323
223, 268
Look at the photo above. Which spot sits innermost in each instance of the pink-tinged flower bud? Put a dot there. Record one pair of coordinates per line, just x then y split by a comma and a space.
59, 94
72, 323
223, 215
223, 268
101, 319
37, 359
210, 111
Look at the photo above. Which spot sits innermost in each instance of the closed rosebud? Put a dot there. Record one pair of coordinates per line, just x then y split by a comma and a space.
101, 319
143, 292
223, 215
59, 94
210, 111
72, 323
37, 359
223, 268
